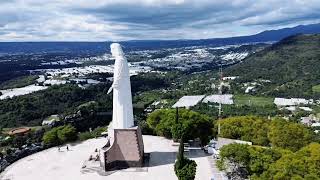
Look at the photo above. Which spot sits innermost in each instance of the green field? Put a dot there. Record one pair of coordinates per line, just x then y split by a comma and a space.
316, 88
253, 100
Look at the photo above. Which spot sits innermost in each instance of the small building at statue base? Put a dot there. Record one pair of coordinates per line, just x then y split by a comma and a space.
125, 151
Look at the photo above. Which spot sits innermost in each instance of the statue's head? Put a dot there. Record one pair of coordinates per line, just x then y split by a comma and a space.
116, 50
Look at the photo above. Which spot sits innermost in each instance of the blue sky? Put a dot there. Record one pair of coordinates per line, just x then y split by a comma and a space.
100, 20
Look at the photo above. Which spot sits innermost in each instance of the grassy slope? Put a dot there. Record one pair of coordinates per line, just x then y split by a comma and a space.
252, 100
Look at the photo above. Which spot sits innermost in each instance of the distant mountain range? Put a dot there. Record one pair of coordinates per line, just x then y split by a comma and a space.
265, 36
291, 65
101, 47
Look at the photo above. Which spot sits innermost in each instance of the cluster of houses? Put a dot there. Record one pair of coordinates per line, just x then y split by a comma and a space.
294, 104
312, 121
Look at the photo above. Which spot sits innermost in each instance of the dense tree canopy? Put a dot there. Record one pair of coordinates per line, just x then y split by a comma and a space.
235, 160
247, 128
193, 124
51, 137
289, 135
291, 65
303, 164
242, 161
67, 134
31, 109
60, 135
264, 132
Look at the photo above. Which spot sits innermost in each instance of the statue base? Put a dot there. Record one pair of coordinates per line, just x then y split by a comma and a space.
124, 150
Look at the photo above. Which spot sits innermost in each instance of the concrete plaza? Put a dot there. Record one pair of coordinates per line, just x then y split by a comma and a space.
52, 164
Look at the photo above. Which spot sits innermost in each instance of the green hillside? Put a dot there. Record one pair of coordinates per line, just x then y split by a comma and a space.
292, 65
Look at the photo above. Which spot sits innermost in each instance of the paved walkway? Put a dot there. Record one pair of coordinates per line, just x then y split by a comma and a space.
201, 158
217, 174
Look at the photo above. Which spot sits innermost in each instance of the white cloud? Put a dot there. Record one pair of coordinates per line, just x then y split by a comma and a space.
92, 20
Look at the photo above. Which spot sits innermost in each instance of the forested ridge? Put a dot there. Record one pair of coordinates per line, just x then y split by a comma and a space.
292, 66
33, 108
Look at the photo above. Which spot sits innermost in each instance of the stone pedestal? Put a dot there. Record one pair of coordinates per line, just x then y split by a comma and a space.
124, 150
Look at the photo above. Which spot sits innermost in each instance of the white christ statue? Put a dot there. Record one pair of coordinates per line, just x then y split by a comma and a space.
122, 116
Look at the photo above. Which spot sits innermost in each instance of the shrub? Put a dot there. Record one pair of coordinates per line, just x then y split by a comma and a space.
95, 133
50, 138
60, 135
67, 133
247, 128
289, 135
85, 135
184, 168
180, 157
188, 171
236, 158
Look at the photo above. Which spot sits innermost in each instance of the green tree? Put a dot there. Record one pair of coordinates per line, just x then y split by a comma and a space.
180, 157
259, 163
289, 78
262, 158
67, 133
289, 134
236, 157
190, 123
247, 128
184, 168
303, 164
85, 135
29, 110
177, 131
188, 171
93, 134
50, 138
59, 135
